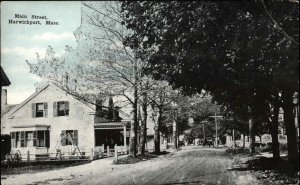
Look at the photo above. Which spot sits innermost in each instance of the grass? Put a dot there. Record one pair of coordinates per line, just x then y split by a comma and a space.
268, 170
139, 158
245, 151
274, 170
37, 167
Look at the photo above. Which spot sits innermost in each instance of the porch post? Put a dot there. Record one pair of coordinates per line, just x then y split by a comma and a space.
28, 156
124, 134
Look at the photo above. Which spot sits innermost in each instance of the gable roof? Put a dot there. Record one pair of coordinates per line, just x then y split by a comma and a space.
123, 114
19, 106
7, 108
16, 108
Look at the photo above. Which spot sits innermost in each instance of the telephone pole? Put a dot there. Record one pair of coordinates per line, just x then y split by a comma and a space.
216, 122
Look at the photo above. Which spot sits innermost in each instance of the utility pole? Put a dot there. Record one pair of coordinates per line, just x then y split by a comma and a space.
216, 122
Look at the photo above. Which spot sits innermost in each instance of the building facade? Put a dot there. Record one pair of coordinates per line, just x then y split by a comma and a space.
52, 120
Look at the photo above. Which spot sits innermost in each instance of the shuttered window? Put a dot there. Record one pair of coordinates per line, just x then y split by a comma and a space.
69, 137
61, 108
39, 109
41, 138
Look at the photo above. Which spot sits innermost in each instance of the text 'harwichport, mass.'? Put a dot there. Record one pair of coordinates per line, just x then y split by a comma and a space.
31, 20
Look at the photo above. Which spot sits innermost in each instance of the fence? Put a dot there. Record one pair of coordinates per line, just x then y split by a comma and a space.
96, 153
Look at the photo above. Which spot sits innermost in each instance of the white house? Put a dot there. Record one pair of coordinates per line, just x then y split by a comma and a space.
51, 119
43, 121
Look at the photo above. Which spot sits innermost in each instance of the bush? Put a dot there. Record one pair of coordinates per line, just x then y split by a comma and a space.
131, 160
237, 151
269, 148
283, 147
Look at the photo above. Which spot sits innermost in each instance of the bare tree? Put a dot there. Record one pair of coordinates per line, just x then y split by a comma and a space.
101, 63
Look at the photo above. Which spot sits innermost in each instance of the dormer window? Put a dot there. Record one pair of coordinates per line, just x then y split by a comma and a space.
39, 110
61, 108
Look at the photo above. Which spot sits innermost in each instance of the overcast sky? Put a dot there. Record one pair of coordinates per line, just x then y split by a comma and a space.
21, 42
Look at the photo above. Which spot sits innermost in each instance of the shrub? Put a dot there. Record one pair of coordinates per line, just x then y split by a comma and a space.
283, 147
237, 151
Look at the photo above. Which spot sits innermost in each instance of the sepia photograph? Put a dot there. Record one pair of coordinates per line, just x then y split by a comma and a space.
150, 92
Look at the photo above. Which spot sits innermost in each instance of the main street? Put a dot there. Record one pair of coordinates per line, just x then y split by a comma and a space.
191, 165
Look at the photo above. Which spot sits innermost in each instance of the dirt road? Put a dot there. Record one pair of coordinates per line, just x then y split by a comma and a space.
191, 165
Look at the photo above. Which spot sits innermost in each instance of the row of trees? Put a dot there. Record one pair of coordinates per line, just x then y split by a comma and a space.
245, 54
101, 67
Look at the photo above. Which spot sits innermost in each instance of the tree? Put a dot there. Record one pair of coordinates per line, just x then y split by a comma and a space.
161, 97
222, 47
100, 64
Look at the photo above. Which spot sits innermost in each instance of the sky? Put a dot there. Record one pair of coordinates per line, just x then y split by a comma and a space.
21, 42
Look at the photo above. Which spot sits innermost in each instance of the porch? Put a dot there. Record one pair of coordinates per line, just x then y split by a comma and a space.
111, 136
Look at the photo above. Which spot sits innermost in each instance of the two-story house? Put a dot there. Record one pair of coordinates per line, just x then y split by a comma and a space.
42, 122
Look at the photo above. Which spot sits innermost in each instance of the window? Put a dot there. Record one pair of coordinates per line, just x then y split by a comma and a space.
39, 110
18, 143
61, 108
69, 137
41, 138
29, 139
22, 139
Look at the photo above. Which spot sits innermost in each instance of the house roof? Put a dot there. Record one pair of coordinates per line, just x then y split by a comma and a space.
4, 79
17, 107
123, 115
7, 108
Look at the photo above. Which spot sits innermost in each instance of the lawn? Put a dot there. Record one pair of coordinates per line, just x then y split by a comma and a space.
38, 167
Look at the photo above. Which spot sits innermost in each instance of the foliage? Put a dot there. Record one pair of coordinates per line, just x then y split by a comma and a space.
237, 151
234, 50
242, 53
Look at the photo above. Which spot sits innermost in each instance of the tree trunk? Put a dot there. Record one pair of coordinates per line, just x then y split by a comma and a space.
134, 122
133, 128
274, 132
289, 122
260, 141
132, 141
244, 140
233, 138
175, 134
157, 132
251, 132
144, 125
